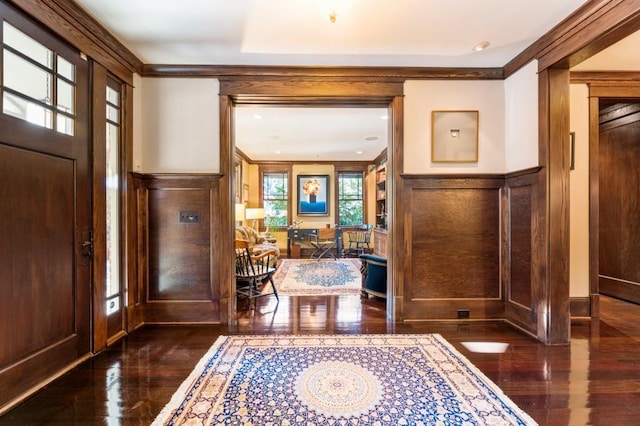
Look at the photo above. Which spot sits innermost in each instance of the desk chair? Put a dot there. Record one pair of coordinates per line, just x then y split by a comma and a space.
323, 242
253, 271
359, 240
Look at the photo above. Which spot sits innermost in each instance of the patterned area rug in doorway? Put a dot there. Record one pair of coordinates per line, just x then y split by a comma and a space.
303, 277
338, 380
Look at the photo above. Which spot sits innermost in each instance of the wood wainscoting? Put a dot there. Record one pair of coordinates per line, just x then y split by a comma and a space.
469, 247
178, 223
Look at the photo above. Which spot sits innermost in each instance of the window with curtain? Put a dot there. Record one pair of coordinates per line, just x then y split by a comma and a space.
350, 198
275, 198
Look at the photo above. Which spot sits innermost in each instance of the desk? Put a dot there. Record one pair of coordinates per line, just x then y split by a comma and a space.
299, 235
302, 235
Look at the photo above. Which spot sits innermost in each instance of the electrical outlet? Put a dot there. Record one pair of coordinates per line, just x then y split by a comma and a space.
189, 217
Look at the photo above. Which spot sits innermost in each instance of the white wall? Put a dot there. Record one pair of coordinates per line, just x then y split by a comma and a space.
521, 118
579, 187
137, 123
180, 125
422, 97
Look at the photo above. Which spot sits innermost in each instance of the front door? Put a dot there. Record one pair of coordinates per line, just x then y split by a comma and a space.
45, 207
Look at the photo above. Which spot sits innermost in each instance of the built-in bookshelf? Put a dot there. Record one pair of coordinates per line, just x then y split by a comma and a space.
381, 196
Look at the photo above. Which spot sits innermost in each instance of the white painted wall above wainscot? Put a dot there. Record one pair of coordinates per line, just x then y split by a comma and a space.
180, 125
422, 97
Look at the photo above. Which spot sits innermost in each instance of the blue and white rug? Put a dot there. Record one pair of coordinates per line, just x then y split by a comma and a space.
338, 380
303, 277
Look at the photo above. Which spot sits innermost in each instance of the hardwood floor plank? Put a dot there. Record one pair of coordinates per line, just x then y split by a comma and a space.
593, 380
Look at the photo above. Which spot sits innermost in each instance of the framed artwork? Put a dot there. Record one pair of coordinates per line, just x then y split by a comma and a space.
238, 180
313, 193
245, 193
454, 136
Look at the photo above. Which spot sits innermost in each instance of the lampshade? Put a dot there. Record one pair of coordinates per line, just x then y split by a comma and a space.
239, 211
254, 213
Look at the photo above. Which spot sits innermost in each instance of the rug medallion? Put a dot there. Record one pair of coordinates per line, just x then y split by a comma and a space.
338, 380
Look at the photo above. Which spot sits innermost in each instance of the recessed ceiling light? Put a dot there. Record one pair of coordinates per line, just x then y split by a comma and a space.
257, 116
481, 46
371, 138
358, 152
384, 117
277, 152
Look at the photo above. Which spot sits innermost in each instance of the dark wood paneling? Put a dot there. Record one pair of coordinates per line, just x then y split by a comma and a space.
179, 253
520, 205
520, 220
453, 262
619, 203
313, 88
181, 279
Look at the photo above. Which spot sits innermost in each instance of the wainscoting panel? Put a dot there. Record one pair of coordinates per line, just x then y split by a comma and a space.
453, 233
519, 206
178, 258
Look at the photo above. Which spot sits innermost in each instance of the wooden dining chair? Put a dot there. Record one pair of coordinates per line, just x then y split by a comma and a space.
254, 272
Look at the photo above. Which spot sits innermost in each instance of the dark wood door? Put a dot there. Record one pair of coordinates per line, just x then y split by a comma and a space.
45, 210
619, 201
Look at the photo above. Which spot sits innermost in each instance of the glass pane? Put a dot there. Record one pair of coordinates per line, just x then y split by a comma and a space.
113, 114
64, 124
350, 187
275, 186
113, 208
351, 212
66, 69
113, 97
27, 46
25, 110
65, 97
276, 213
26, 78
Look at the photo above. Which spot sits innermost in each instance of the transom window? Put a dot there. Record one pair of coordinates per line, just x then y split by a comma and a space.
38, 84
350, 198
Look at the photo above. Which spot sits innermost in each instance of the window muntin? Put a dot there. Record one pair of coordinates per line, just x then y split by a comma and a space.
35, 79
350, 198
275, 198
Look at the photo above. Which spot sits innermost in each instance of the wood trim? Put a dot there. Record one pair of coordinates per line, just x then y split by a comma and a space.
100, 332
606, 77
580, 307
556, 328
381, 74
594, 194
70, 22
593, 27
619, 90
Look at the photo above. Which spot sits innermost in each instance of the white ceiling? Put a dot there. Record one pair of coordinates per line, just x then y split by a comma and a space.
439, 33
311, 134
426, 33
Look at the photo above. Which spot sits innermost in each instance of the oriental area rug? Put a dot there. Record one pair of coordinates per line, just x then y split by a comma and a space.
338, 380
304, 277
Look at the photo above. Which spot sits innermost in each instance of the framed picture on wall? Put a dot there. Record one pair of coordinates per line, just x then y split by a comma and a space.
313, 195
454, 136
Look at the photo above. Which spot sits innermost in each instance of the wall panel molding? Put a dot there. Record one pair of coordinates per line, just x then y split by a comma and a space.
177, 259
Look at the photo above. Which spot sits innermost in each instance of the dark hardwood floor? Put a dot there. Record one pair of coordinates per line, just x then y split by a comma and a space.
594, 380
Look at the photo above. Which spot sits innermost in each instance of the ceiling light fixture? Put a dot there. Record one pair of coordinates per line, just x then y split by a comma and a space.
481, 46
332, 16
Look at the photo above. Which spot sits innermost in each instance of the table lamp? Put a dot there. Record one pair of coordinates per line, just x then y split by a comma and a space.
255, 214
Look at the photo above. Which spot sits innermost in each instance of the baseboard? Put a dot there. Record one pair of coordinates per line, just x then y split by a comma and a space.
580, 307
